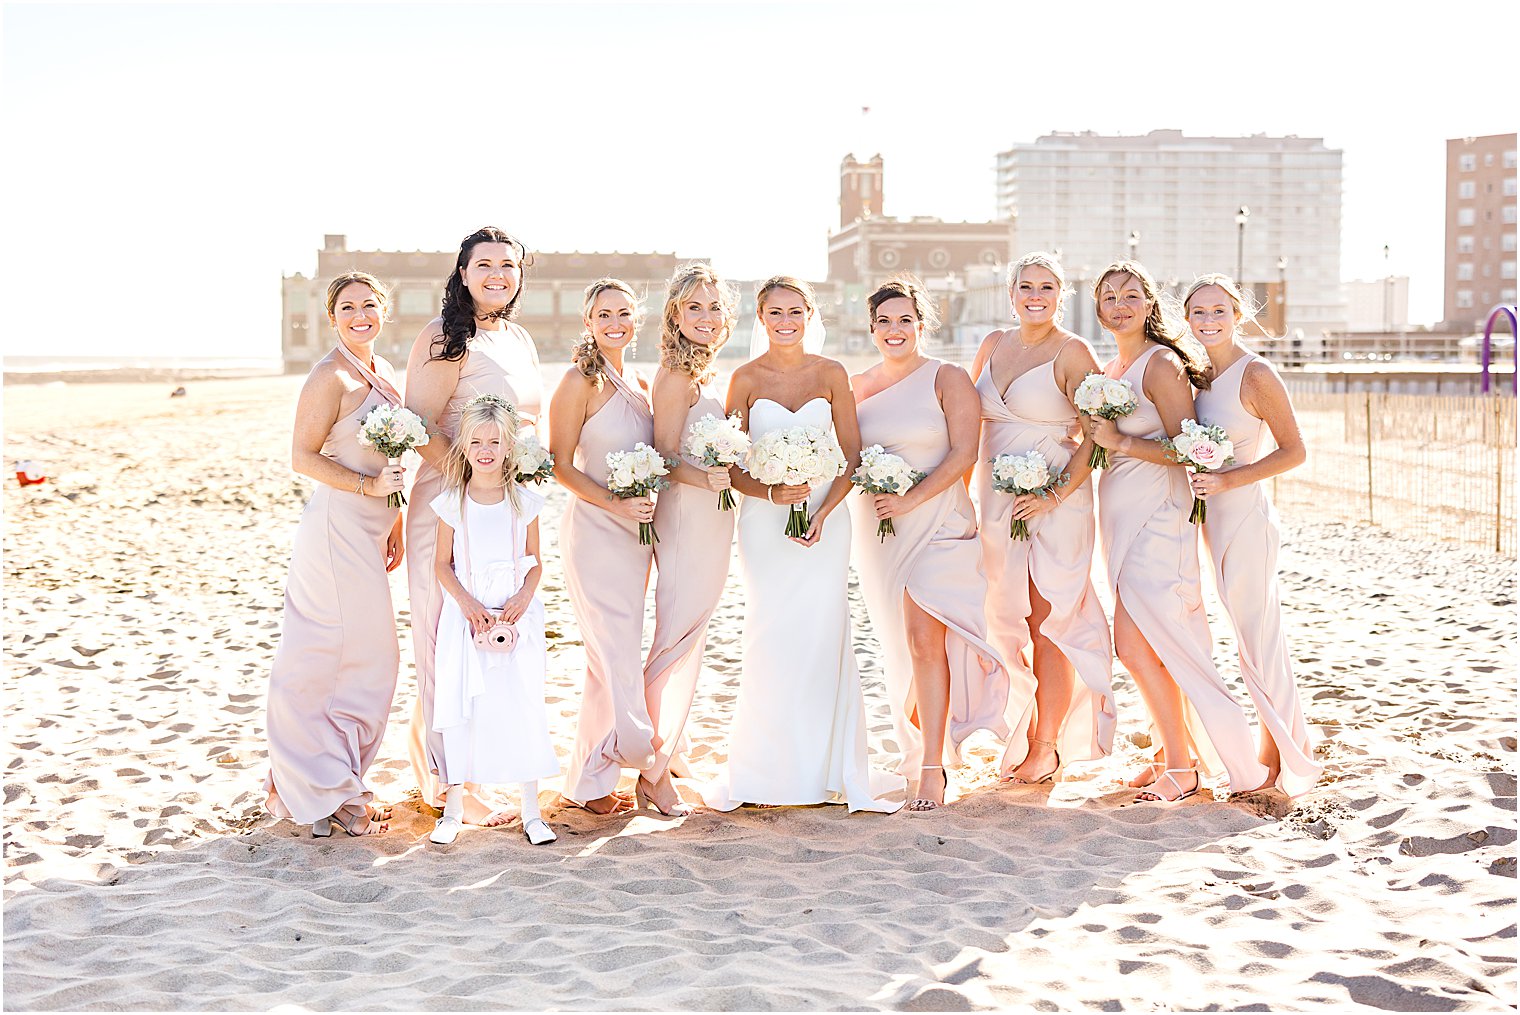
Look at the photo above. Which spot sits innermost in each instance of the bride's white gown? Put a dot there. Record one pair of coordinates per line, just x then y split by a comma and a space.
799, 731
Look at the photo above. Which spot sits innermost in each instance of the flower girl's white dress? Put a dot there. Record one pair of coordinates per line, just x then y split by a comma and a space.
799, 730
489, 706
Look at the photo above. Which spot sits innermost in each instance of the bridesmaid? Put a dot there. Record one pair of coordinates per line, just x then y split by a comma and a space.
1249, 400
472, 349
1160, 629
696, 537
923, 586
1043, 609
596, 410
334, 673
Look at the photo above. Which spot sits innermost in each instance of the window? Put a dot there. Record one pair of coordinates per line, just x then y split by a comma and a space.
1467, 190
1464, 244
1507, 269
1509, 159
1464, 299
1507, 296
1465, 272
1507, 241
1466, 216
417, 303
1509, 214
1467, 163
1509, 186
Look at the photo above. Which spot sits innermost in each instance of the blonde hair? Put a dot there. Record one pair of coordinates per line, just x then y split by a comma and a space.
479, 412
588, 359
1051, 263
338, 284
796, 285
908, 287
1161, 325
1245, 307
678, 353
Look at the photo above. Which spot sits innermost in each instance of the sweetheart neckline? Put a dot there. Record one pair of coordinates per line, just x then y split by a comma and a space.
794, 412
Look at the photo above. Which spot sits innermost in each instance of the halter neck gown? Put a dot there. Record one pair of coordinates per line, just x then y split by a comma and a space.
936, 558
334, 672
1033, 414
501, 363
1152, 553
1242, 537
607, 575
692, 557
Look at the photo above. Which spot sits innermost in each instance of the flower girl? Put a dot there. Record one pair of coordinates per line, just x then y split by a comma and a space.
489, 693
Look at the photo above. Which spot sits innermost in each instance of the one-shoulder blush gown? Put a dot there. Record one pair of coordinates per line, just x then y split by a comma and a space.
1242, 537
1152, 553
799, 728
498, 363
936, 558
691, 561
1033, 414
607, 574
334, 671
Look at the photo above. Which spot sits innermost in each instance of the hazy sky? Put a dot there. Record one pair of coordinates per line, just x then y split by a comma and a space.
167, 163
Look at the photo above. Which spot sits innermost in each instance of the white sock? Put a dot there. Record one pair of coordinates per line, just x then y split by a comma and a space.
530, 801
453, 802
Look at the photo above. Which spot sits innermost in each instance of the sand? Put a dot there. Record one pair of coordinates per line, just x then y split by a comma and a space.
143, 592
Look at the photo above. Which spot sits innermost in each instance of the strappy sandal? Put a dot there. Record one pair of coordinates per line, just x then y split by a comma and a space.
353, 827
679, 809
1049, 776
1152, 797
923, 804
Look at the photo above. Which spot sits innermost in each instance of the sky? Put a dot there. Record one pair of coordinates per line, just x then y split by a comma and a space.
168, 163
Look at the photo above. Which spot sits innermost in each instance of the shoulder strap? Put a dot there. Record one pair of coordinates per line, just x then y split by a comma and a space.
386, 388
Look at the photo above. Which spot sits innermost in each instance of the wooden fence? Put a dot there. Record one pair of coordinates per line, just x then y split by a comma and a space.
1438, 467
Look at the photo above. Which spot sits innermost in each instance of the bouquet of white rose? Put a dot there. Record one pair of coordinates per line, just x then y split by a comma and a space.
1202, 448
1103, 396
637, 473
718, 442
880, 472
393, 430
796, 455
531, 461
1026, 473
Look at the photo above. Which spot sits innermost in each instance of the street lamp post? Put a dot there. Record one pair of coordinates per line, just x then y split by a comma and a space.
1282, 295
1387, 294
1240, 243
1134, 244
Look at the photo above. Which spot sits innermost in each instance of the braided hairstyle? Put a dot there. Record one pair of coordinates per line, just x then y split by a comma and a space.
1161, 326
588, 359
459, 307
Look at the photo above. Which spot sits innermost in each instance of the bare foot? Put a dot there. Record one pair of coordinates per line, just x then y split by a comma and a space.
1272, 774
498, 817
612, 803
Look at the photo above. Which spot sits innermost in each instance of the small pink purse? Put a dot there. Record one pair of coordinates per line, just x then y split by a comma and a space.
500, 636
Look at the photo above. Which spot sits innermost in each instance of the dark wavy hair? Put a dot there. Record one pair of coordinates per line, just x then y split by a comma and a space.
459, 306
906, 286
1161, 325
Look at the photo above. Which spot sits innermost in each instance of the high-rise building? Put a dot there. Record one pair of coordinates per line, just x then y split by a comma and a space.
1265, 209
1480, 228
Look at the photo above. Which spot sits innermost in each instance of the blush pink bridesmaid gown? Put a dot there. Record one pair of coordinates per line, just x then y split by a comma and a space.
1241, 534
500, 363
1152, 553
934, 557
334, 672
692, 557
1033, 414
607, 575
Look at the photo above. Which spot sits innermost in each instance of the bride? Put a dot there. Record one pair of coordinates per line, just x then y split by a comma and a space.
799, 734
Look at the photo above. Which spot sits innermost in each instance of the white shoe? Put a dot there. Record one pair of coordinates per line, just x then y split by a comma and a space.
538, 832
446, 830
